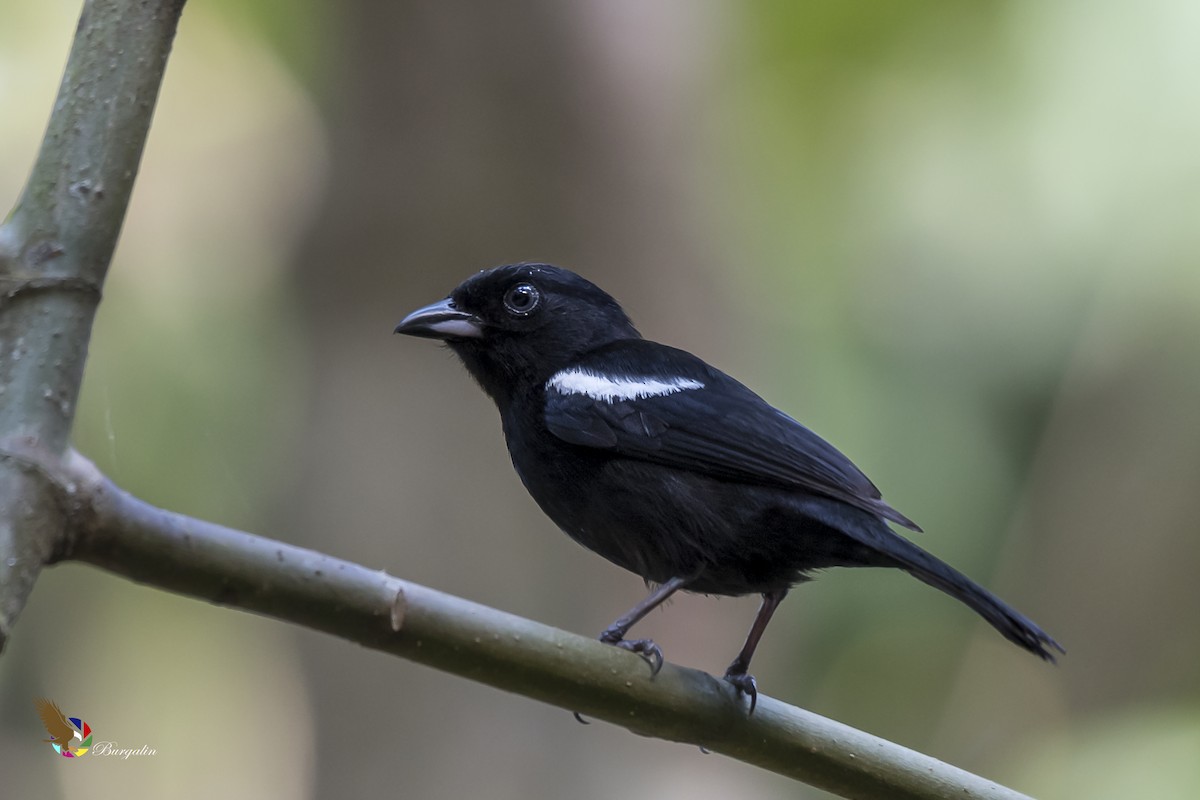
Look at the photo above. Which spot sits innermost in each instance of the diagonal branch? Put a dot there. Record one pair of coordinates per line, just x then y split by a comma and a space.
117, 532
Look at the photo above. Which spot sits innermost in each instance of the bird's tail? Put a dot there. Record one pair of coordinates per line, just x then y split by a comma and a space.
1013, 625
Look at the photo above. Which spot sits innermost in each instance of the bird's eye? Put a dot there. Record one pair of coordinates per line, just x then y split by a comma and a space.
522, 299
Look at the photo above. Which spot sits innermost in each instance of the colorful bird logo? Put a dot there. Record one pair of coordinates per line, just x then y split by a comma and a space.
63, 729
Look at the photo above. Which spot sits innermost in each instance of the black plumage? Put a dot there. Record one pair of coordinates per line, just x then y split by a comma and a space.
667, 466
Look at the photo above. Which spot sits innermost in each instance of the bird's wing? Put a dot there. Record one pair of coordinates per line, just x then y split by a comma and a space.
654, 403
54, 720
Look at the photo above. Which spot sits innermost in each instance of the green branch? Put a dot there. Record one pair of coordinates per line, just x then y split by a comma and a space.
55, 248
115, 531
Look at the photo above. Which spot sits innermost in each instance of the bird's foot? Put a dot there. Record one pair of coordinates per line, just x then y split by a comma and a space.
745, 685
646, 648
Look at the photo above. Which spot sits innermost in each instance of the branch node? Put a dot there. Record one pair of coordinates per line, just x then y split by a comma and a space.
73, 487
11, 287
399, 608
86, 190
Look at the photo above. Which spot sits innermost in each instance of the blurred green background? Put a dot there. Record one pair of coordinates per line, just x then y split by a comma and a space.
959, 240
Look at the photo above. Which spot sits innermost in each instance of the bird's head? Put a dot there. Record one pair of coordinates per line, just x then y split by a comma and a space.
514, 326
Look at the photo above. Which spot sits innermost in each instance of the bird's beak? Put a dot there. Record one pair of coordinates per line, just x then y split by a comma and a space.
441, 320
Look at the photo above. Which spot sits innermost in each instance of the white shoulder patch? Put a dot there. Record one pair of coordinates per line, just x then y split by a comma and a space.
610, 389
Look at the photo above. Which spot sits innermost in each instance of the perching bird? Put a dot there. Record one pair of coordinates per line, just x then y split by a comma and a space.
55, 722
667, 466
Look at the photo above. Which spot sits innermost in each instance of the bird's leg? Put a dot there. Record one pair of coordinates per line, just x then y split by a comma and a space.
737, 673
647, 649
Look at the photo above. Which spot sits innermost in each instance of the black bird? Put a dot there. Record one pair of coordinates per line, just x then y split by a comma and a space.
667, 466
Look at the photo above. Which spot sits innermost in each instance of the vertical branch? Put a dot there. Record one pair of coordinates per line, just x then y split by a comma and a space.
55, 248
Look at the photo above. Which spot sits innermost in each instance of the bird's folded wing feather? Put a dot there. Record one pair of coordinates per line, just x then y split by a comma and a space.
717, 427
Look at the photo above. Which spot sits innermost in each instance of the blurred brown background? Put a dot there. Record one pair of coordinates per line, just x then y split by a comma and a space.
958, 240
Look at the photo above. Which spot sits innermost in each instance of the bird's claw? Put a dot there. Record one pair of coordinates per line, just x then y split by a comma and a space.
745, 685
646, 648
